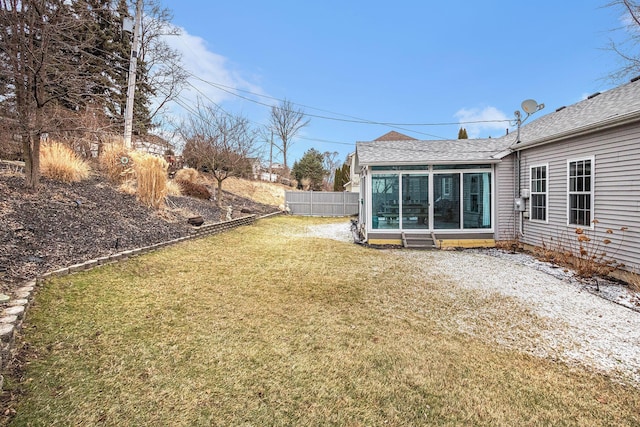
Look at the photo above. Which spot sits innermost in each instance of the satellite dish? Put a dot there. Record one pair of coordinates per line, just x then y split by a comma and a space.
529, 106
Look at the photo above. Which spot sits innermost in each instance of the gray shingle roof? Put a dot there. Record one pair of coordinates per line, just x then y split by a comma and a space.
613, 107
421, 152
608, 108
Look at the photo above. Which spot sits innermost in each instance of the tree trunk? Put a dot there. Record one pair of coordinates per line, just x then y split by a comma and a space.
284, 158
219, 191
31, 149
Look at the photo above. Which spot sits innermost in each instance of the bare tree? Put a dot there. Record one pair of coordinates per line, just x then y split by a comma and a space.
218, 143
330, 164
629, 50
286, 122
39, 64
166, 75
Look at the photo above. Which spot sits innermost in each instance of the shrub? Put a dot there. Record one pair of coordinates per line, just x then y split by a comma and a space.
193, 189
151, 178
187, 174
633, 280
589, 255
59, 162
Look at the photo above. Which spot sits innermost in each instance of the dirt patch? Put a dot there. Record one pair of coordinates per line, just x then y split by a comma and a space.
62, 224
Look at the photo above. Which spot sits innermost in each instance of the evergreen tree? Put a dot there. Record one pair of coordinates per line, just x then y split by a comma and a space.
343, 175
310, 167
108, 54
105, 53
337, 180
462, 134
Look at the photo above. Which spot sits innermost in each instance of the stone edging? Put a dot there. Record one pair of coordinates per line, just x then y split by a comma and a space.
14, 309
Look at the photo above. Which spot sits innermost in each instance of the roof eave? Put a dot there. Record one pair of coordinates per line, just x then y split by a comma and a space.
432, 162
603, 125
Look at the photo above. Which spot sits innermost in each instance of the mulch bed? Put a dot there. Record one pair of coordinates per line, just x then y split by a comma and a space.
63, 224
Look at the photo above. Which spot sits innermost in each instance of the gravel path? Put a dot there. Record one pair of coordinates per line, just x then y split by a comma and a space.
574, 325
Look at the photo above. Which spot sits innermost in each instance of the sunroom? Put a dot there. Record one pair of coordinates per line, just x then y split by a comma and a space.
435, 193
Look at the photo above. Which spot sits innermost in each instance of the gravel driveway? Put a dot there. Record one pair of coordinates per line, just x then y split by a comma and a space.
569, 323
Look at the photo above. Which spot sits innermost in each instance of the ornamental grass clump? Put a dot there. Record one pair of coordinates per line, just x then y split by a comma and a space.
114, 162
61, 163
173, 188
151, 178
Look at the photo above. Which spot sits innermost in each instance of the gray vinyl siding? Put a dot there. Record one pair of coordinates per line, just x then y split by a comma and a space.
616, 178
504, 194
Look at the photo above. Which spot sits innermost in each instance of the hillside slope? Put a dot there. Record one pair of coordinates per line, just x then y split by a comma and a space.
62, 224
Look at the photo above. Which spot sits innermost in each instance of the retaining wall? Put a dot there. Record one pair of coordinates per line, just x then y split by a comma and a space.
13, 308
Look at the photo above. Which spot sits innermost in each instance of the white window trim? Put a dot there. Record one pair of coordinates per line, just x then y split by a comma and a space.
546, 192
591, 192
368, 175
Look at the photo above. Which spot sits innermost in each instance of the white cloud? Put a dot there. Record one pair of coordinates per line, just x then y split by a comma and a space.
483, 122
207, 66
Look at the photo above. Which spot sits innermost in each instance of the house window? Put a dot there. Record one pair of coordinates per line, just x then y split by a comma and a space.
538, 185
476, 189
580, 191
415, 201
446, 199
385, 202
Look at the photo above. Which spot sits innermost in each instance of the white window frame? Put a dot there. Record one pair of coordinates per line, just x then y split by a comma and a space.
447, 185
591, 191
532, 192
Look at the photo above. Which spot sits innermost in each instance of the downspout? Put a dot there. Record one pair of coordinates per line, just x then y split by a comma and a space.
519, 230
518, 183
529, 106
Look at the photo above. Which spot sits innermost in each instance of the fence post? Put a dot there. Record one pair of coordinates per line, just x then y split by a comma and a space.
311, 204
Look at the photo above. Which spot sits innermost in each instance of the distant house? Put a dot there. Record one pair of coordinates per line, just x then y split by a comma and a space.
353, 185
256, 167
394, 136
273, 175
152, 144
569, 167
354, 176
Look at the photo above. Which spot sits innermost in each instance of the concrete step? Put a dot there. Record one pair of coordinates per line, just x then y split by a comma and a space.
417, 241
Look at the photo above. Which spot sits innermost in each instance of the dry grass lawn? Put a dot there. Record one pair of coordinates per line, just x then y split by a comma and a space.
260, 327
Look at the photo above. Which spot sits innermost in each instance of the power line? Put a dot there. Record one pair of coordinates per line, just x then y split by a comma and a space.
355, 119
352, 120
348, 118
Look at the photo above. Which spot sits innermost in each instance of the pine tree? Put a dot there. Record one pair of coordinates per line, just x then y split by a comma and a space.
107, 57
310, 167
104, 56
462, 134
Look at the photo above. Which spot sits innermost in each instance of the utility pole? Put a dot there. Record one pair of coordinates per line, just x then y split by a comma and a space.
131, 89
271, 158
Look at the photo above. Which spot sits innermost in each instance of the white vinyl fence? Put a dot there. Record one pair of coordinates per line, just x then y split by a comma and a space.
322, 203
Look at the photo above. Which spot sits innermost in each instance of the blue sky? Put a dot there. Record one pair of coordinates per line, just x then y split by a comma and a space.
408, 62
